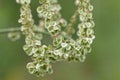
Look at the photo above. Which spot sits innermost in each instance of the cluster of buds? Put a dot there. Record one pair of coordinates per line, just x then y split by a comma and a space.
63, 46
33, 47
49, 11
85, 28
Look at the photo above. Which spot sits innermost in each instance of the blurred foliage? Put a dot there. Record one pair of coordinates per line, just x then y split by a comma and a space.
102, 64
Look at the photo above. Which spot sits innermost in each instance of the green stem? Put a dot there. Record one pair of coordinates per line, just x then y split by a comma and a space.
7, 30
69, 28
17, 29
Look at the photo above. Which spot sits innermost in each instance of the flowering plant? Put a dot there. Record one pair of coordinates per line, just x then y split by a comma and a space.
63, 46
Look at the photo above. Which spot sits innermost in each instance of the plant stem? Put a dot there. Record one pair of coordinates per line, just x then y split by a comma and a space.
69, 28
17, 29
7, 30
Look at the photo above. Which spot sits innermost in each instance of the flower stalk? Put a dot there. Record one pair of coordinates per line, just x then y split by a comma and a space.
17, 29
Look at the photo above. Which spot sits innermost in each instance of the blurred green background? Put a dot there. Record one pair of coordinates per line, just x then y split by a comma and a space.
103, 63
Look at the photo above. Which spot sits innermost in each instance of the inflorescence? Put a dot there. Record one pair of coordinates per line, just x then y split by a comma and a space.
64, 47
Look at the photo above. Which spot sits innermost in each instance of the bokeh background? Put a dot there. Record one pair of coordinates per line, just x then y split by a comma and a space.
103, 63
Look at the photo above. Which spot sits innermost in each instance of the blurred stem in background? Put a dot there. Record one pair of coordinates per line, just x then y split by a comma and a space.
8, 30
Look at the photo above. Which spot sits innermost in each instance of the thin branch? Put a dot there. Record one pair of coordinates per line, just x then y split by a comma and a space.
17, 29
72, 21
7, 30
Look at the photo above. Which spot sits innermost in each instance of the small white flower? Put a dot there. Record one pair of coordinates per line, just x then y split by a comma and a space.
64, 44
57, 53
66, 56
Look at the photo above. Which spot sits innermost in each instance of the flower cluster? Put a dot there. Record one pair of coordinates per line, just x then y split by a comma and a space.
63, 47
85, 28
49, 11
33, 47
